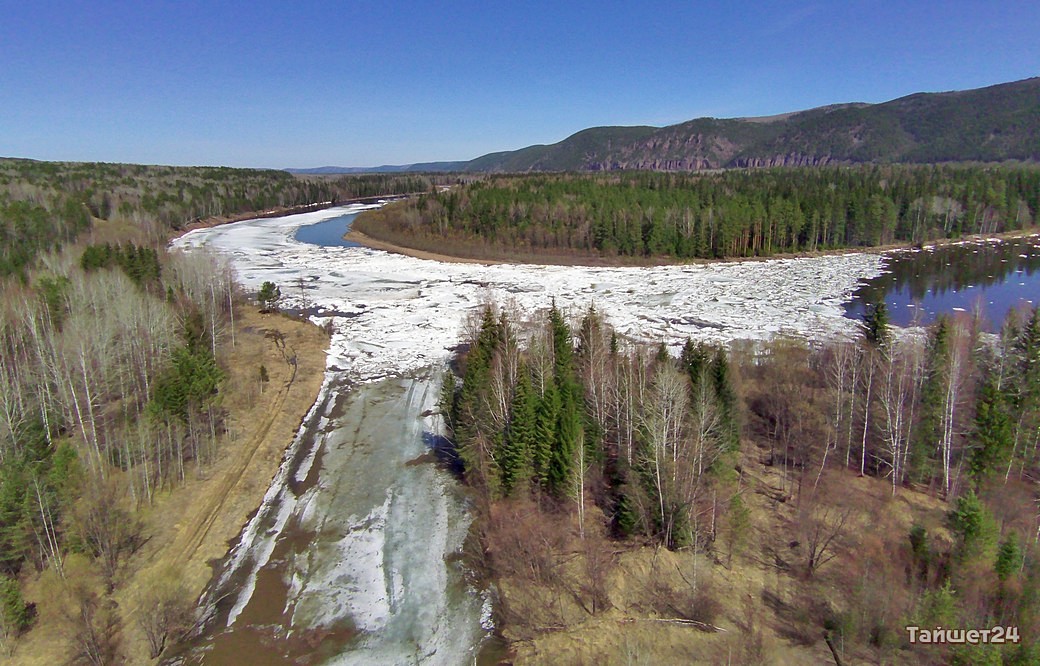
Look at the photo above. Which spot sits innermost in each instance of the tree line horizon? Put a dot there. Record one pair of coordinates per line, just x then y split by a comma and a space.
728, 214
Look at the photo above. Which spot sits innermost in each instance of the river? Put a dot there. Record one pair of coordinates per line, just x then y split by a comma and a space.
353, 558
989, 276
354, 555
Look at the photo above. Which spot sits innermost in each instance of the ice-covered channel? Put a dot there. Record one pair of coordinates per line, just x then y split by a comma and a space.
349, 559
396, 314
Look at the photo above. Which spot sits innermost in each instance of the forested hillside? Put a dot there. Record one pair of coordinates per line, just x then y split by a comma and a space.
991, 124
47, 204
867, 485
727, 214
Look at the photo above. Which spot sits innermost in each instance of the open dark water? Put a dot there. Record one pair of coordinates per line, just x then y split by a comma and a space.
919, 285
328, 233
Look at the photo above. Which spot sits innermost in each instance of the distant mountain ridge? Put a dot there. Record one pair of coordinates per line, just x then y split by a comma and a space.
423, 167
991, 124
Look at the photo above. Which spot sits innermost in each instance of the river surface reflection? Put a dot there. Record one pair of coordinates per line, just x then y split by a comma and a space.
919, 285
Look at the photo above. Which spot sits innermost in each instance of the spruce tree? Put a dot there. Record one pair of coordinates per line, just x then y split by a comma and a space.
692, 359
15, 614
973, 525
927, 435
562, 346
1009, 557
569, 435
1028, 351
448, 403
993, 432
516, 458
15, 528
626, 517
588, 333
546, 416
876, 325
268, 296
726, 397
1027, 391
473, 422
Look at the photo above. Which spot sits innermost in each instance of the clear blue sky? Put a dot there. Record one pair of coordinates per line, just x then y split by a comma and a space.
293, 84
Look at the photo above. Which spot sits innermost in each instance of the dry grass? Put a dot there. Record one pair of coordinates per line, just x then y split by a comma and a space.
190, 527
766, 610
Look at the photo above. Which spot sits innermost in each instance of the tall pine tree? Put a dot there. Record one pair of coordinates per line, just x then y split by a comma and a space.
546, 416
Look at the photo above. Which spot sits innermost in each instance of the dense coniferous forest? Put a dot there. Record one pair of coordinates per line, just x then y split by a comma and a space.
568, 433
727, 214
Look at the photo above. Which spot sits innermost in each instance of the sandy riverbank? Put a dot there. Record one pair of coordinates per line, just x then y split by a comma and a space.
376, 244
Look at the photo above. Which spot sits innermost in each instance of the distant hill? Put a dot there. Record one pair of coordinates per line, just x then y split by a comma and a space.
423, 167
992, 124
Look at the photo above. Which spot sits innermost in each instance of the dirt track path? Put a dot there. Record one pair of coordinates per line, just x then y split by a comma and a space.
188, 541
193, 528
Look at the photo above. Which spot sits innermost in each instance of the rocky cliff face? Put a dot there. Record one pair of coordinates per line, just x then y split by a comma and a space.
789, 160
652, 165
694, 163
670, 149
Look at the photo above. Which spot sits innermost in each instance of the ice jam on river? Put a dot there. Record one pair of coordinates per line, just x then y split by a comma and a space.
350, 557
397, 314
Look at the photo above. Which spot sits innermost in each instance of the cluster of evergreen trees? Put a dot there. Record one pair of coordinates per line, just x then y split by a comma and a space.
727, 214
26, 229
139, 263
582, 417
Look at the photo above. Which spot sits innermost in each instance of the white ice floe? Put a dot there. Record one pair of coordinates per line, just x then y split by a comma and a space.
394, 314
